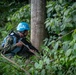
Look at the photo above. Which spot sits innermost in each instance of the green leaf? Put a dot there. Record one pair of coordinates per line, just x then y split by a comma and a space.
72, 58
74, 46
57, 7
74, 5
56, 46
67, 19
39, 65
74, 18
60, 1
49, 5
48, 67
47, 60
43, 72
62, 27
68, 52
66, 12
49, 10
74, 36
36, 65
65, 45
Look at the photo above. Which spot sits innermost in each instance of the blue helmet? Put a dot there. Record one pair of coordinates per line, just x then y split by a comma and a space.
22, 26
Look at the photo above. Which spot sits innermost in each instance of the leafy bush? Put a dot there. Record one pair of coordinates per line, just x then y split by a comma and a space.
58, 55
22, 14
61, 19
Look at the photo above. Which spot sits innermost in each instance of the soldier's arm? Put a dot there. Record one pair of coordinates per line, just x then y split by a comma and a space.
29, 45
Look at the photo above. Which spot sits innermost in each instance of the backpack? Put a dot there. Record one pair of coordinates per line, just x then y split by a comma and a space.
15, 38
13, 35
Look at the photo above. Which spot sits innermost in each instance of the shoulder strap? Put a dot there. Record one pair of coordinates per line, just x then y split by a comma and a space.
15, 36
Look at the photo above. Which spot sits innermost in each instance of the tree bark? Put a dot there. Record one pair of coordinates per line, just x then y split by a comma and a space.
37, 22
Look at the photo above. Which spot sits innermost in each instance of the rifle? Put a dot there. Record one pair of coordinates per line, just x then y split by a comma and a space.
34, 51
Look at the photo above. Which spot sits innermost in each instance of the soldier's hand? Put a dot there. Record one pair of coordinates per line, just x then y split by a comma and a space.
19, 44
32, 51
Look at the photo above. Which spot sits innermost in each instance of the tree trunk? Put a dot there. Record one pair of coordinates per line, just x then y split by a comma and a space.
37, 22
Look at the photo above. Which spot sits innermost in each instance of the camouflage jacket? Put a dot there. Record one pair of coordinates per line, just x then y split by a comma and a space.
9, 45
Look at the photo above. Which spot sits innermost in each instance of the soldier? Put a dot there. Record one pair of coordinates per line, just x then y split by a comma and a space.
16, 43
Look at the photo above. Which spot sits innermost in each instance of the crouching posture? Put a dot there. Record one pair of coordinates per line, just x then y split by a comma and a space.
16, 42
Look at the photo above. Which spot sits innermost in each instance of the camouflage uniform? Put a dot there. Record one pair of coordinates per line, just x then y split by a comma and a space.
9, 43
9, 46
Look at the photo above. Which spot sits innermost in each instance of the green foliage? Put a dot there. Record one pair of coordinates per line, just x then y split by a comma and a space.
7, 8
12, 13
9, 68
58, 52
61, 19
56, 61
60, 16
23, 14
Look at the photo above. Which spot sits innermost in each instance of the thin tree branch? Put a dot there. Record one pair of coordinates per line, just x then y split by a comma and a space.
64, 35
13, 62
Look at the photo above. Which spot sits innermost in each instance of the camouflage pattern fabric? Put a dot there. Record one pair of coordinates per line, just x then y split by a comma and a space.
9, 46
